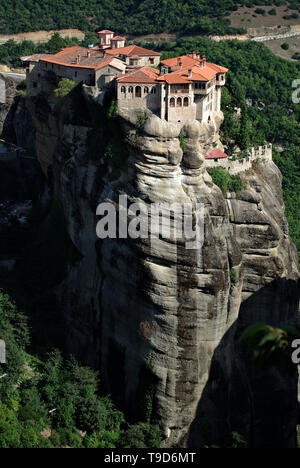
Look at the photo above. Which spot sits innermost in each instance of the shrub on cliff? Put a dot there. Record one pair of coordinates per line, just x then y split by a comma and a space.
225, 181
285, 46
140, 436
65, 86
260, 11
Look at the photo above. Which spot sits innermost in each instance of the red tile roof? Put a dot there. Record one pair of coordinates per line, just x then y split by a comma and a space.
186, 60
132, 50
216, 154
142, 75
217, 68
118, 38
105, 31
88, 58
198, 72
34, 57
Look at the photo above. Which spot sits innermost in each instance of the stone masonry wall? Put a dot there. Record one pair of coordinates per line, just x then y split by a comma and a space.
263, 153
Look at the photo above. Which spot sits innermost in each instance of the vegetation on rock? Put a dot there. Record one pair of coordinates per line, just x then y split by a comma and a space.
65, 86
33, 387
225, 181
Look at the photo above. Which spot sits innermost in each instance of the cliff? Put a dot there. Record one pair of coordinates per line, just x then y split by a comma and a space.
160, 321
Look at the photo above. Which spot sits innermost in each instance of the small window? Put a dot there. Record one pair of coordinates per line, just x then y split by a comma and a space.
76, 74
146, 90
172, 102
34, 84
138, 92
179, 102
151, 61
130, 89
123, 90
186, 102
153, 91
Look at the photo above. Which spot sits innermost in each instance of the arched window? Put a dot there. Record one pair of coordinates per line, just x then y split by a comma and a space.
146, 90
123, 90
130, 89
138, 92
209, 119
179, 102
186, 102
153, 91
172, 102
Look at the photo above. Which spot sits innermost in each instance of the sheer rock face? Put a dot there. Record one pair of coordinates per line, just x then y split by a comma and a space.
8, 92
130, 301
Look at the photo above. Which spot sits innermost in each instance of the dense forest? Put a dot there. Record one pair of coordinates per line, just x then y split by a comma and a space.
126, 16
50, 402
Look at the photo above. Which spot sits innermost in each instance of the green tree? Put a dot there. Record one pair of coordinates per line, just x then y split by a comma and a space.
64, 88
55, 44
140, 435
243, 139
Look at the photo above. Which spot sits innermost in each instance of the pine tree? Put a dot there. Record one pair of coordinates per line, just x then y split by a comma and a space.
243, 139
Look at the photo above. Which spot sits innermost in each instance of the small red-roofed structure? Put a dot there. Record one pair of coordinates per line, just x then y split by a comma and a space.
216, 154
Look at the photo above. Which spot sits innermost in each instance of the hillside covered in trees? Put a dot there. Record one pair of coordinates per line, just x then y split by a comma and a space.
50, 402
126, 16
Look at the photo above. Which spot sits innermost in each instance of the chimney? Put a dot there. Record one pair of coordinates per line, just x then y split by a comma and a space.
194, 55
88, 53
198, 55
179, 63
203, 62
77, 59
190, 73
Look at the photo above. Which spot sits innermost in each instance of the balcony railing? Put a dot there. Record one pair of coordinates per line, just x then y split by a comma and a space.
179, 91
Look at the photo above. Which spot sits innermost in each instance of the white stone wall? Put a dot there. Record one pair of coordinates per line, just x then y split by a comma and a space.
73, 73
181, 113
262, 154
33, 80
145, 61
148, 100
36, 73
